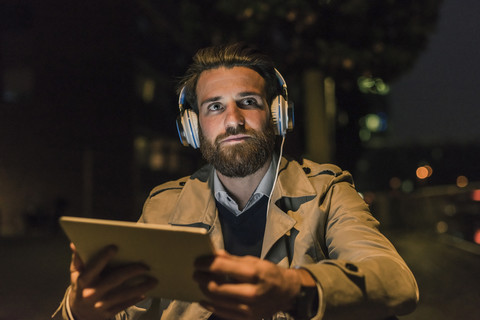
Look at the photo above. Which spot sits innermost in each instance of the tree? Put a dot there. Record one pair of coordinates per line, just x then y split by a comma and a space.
317, 43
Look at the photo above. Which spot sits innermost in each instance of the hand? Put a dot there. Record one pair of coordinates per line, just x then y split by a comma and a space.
246, 287
98, 292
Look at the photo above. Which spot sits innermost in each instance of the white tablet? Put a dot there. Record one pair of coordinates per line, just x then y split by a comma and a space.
169, 251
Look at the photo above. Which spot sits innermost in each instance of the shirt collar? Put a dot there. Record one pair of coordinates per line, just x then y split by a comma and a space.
264, 188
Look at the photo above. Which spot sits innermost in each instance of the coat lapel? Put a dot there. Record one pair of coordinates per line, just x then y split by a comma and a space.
291, 183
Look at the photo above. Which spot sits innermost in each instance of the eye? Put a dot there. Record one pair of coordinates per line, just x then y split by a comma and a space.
215, 107
249, 102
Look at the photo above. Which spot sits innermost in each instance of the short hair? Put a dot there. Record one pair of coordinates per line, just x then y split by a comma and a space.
229, 56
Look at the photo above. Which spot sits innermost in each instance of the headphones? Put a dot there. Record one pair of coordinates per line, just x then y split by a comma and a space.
282, 116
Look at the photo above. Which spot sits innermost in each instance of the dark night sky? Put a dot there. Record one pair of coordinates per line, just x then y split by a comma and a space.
438, 101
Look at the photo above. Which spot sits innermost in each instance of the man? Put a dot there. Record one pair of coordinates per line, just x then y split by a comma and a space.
301, 244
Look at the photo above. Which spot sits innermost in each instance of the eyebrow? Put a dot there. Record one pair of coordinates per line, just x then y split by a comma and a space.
249, 93
212, 99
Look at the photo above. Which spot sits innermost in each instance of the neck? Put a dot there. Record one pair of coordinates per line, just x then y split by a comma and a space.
241, 189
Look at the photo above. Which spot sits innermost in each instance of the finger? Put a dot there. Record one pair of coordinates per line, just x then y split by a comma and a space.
228, 292
204, 262
204, 277
97, 264
237, 269
121, 276
76, 263
126, 294
217, 288
76, 266
211, 263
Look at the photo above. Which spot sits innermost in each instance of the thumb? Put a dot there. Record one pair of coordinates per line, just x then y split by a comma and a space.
76, 264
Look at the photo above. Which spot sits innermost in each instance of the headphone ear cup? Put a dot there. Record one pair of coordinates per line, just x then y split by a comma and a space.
279, 110
187, 128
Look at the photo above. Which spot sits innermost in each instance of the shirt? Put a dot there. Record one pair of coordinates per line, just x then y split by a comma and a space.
264, 188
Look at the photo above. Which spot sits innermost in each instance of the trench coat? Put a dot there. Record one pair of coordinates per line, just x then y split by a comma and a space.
317, 220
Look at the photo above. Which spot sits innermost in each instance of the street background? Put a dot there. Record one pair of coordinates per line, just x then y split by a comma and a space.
385, 89
34, 273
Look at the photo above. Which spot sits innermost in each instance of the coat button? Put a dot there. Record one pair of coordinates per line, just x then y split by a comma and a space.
307, 170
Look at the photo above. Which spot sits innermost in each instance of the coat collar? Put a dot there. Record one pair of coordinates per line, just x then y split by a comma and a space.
196, 203
292, 182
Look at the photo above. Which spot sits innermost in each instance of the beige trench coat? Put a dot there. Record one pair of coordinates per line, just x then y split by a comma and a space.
316, 220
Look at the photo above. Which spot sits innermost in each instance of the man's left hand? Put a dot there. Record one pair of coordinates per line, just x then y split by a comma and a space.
246, 287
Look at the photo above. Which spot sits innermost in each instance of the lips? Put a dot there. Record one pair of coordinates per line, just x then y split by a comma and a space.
235, 138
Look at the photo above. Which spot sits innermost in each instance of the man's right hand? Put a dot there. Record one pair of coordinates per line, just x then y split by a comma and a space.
98, 293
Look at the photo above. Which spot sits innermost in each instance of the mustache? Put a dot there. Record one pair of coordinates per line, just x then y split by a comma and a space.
231, 131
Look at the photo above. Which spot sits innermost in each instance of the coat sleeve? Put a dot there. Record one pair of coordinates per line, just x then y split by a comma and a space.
132, 313
364, 277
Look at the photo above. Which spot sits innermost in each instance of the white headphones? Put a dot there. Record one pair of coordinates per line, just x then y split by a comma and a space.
282, 116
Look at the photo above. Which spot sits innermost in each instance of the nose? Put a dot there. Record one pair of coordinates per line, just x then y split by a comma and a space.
234, 116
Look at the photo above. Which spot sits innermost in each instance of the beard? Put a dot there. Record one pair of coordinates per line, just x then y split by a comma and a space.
241, 159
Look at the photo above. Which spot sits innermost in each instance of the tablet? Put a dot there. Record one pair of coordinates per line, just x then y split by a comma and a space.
169, 251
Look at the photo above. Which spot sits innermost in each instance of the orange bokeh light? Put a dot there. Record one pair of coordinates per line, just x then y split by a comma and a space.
422, 173
462, 181
476, 236
476, 195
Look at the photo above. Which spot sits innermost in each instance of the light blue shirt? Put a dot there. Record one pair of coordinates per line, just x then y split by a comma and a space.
264, 188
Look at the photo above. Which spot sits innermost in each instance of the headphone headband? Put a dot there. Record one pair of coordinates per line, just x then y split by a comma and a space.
181, 99
282, 82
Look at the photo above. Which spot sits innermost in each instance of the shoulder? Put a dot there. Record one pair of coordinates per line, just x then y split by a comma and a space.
176, 186
313, 169
305, 178
324, 172
163, 199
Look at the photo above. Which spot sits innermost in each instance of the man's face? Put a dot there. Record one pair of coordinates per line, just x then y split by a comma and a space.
236, 134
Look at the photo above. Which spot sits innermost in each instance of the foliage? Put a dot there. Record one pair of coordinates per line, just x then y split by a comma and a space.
344, 39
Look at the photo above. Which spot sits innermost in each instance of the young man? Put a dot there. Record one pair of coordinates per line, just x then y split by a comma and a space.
302, 244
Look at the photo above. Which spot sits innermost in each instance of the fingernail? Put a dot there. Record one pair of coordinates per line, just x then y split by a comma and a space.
88, 292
